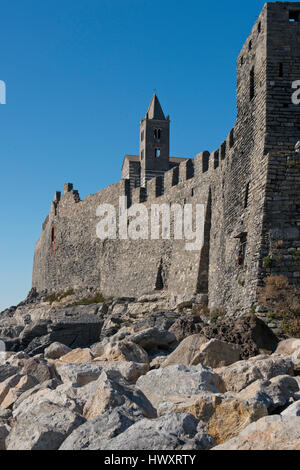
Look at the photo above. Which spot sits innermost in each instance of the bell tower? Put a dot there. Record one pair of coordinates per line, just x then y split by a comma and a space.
154, 142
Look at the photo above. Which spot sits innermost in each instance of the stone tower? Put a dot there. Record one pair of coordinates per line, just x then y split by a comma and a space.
154, 142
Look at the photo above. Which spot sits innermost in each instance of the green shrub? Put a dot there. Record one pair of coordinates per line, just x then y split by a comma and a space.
267, 262
96, 299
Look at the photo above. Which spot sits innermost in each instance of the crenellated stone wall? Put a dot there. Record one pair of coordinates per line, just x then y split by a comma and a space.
249, 187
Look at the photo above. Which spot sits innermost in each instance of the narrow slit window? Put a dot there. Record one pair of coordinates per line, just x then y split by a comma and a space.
246, 201
281, 69
259, 27
53, 238
157, 153
250, 45
252, 84
242, 250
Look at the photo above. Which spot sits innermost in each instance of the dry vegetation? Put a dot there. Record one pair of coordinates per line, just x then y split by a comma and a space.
283, 302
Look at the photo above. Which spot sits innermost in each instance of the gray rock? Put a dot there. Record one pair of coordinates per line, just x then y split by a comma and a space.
292, 410
179, 380
93, 435
108, 393
7, 370
174, 431
153, 339
269, 433
51, 384
56, 350
39, 368
274, 393
243, 373
43, 428
4, 432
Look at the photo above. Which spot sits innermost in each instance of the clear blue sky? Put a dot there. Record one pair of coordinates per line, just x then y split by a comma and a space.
80, 75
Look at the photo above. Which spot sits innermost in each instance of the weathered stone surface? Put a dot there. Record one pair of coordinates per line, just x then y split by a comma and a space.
50, 384
243, 373
197, 350
76, 327
77, 356
288, 346
43, 428
248, 331
175, 431
179, 381
4, 432
82, 374
111, 394
125, 351
7, 384
292, 410
93, 435
130, 371
38, 368
184, 327
7, 371
224, 415
153, 339
25, 383
185, 352
269, 433
56, 350
274, 393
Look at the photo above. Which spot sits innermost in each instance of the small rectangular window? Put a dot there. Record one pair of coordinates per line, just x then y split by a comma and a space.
242, 249
281, 70
157, 153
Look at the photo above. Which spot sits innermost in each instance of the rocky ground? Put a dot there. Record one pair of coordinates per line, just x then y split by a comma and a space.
144, 374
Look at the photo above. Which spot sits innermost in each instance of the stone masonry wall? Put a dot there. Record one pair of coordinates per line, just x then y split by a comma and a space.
249, 190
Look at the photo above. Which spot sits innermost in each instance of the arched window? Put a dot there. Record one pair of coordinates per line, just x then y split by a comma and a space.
157, 134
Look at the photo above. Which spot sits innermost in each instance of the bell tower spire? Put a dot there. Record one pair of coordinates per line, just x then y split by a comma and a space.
154, 142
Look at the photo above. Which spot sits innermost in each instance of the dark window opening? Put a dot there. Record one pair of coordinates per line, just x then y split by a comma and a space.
159, 285
157, 153
192, 192
246, 196
53, 238
242, 60
231, 138
157, 133
294, 16
216, 159
142, 154
252, 84
281, 69
142, 136
259, 27
242, 249
250, 45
